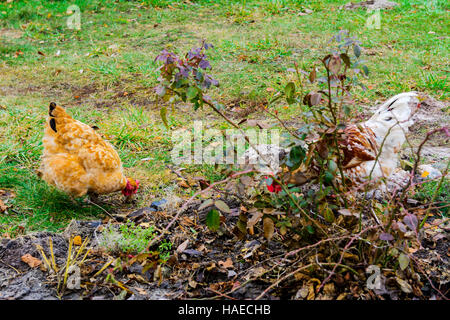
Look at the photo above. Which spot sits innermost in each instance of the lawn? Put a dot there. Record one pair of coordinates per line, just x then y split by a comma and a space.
105, 72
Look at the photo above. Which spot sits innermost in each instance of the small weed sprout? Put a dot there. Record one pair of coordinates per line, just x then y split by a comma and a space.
164, 250
126, 238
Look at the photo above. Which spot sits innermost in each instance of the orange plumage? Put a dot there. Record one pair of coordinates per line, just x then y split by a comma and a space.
78, 161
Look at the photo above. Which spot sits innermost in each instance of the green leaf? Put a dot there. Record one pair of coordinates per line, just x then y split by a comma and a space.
329, 215
332, 166
366, 70
347, 110
356, 50
213, 220
289, 90
403, 261
346, 59
242, 226
296, 156
191, 93
198, 104
310, 229
163, 113
328, 177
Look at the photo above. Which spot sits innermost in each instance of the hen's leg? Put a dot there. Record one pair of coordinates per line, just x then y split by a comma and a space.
93, 197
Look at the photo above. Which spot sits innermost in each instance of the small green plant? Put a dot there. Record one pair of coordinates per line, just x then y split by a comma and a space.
132, 239
164, 250
127, 238
428, 190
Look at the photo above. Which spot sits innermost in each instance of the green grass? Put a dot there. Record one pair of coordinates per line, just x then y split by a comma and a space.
36, 206
427, 191
256, 41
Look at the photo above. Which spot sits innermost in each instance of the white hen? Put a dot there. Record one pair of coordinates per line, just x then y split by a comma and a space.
360, 144
381, 136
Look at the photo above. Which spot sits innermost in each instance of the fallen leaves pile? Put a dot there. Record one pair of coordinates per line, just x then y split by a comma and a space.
212, 258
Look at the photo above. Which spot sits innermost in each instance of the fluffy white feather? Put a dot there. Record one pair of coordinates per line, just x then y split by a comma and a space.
387, 127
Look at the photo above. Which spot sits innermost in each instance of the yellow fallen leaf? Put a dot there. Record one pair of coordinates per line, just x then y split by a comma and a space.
424, 174
77, 241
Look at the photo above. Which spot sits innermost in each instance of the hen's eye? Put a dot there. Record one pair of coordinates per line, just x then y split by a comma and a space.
388, 119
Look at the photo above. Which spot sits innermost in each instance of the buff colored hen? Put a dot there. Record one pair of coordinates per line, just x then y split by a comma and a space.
78, 161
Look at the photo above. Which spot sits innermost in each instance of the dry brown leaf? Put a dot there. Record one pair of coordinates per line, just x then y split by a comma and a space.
206, 204
182, 246
183, 184
351, 256
269, 210
141, 291
255, 273
192, 283
302, 293
228, 264
222, 206
31, 261
301, 276
255, 217
3, 207
137, 278
186, 221
269, 228
246, 180
404, 285
329, 289
145, 225
347, 212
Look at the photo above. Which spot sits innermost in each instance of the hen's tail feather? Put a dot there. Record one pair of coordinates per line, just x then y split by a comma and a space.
51, 108
52, 121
